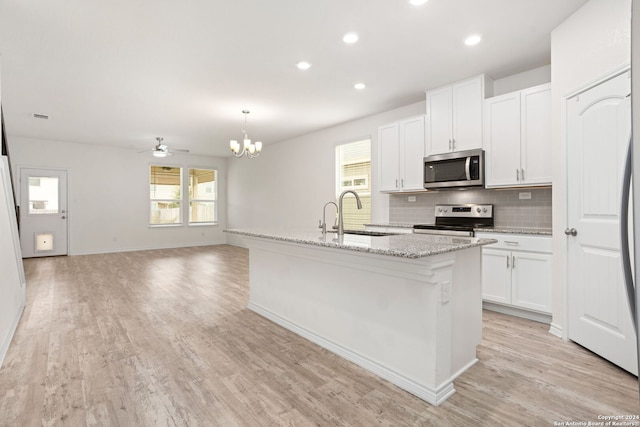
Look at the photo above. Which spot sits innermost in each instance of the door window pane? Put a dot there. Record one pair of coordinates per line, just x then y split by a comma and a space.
43, 195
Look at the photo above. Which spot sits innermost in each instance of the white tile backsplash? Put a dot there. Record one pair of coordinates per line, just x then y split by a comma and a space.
509, 209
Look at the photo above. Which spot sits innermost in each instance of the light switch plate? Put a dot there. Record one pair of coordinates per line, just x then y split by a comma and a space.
525, 195
411, 198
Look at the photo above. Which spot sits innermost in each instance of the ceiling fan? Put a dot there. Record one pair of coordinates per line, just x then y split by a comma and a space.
163, 150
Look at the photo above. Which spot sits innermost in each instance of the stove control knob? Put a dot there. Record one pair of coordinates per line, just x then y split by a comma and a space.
439, 209
484, 209
478, 209
446, 210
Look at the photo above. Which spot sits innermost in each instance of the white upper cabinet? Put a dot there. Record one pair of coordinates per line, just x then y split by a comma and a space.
517, 138
389, 156
401, 148
454, 116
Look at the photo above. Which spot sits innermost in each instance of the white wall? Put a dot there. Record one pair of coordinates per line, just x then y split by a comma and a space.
587, 46
109, 195
526, 79
12, 282
290, 182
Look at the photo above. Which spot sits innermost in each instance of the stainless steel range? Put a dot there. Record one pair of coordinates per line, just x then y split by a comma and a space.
458, 220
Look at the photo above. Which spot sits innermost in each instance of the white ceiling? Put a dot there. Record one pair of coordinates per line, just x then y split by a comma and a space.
121, 72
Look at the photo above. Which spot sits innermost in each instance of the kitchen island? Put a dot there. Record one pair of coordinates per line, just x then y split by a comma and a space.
405, 307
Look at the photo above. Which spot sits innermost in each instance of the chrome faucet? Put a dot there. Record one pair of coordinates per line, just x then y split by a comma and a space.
340, 221
323, 223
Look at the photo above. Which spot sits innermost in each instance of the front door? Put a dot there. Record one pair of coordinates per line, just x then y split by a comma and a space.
598, 129
43, 212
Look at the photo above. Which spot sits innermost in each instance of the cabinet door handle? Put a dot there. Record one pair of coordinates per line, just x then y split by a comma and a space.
513, 262
518, 175
522, 174
402, 183
396, 182
507, 261
511, 242
453, 144
449, 145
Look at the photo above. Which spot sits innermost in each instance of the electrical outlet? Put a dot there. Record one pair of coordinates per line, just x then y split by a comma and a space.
525, 195
411, 198
445, 292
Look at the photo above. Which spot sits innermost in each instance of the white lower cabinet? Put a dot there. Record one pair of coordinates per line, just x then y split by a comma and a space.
516, 272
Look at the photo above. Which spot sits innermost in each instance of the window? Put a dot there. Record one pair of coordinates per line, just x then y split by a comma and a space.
170, 203
202, 196
353, 172
43, 195
165, 195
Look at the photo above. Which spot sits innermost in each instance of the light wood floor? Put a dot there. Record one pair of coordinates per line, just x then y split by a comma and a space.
163, 338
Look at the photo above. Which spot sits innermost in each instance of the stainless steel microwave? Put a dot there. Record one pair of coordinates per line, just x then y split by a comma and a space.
454, 170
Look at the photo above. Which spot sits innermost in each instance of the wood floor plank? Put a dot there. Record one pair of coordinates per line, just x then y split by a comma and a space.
164, 337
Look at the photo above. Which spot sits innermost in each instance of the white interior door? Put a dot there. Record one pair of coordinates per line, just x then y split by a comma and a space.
598, 126
43, 212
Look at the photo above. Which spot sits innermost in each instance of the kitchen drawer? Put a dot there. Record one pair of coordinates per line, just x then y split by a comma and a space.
517, 242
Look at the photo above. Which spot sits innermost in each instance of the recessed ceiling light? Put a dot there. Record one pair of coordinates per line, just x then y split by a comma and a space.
359, 86
303, 65
418, 2
350, 38
472, 40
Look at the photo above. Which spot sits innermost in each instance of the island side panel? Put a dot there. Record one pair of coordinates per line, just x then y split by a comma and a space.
466, 309
387, 312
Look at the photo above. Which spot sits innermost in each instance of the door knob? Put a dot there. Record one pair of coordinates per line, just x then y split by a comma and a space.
571, 232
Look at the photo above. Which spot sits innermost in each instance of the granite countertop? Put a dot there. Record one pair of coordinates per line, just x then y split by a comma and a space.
498, 229
516, 230
401, 245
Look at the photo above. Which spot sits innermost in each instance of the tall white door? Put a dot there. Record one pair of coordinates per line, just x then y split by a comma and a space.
43, 212
598, 126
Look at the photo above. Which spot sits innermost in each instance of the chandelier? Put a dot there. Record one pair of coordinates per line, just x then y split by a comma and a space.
251, 149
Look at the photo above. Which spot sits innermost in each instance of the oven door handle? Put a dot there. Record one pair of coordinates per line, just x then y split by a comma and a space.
467, 170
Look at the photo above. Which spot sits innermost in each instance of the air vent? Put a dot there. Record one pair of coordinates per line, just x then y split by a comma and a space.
40, 116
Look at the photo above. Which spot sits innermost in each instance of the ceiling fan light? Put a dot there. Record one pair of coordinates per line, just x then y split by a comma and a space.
157, 153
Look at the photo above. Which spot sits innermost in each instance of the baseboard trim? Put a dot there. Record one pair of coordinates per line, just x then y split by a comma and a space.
556, 330
434, 396
147, 248
514, 311
7, 342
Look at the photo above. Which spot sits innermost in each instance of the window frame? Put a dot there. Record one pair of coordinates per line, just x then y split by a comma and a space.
179, 201
189, 199
185, 198
365, 190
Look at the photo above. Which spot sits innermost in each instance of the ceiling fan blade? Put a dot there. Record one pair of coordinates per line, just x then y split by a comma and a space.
179, 150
